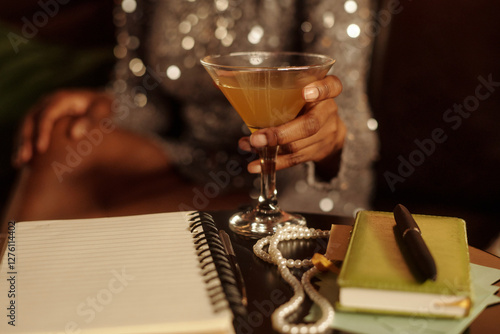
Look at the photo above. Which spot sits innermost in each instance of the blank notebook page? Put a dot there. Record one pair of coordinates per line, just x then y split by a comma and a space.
134, 274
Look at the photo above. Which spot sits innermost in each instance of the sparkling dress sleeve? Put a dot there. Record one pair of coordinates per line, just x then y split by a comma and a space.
344, 31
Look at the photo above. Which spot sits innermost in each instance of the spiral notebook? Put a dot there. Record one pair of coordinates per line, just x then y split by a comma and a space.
157, 273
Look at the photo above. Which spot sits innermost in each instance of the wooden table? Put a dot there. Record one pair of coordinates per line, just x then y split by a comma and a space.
267, 290
489, 320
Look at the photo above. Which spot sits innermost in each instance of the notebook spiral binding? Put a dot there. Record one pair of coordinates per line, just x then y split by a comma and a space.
216, 269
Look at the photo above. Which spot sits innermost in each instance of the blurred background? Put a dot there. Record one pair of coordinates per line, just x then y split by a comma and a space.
436, 67
43, 49
429, 63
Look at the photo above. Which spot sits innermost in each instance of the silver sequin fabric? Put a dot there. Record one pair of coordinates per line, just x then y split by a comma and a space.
163, 91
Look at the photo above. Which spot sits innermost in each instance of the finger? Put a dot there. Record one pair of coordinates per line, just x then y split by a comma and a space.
306, 125
67, 104
315, 148
326, 144
323, 89
310, 149
309, 153
254, 167
99, 108
244, 144
297, 145
24, 147
26, 134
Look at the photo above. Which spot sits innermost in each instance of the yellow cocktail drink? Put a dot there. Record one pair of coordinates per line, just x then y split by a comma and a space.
261, 107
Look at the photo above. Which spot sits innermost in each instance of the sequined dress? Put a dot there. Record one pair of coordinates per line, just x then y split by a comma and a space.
165, 93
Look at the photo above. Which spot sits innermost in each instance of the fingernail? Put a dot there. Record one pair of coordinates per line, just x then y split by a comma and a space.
254, 169
311, 93
259, 140
245, 146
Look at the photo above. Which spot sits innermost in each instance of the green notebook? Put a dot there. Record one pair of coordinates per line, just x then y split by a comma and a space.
376, 278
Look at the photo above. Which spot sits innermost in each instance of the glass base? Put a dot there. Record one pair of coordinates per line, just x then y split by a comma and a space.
255, 224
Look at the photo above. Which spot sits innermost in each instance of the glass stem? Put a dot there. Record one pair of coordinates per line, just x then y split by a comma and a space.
268, 201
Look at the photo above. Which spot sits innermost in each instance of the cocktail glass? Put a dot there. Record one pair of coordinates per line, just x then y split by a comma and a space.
265, 88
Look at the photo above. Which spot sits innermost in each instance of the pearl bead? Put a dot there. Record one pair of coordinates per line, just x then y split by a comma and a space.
300, 288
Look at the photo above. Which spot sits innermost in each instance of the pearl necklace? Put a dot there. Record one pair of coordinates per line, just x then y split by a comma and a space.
274, 256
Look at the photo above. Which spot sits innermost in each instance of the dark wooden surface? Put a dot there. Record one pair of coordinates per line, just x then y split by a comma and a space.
267, 290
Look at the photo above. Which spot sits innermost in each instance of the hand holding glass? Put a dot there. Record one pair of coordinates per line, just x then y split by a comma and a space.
265, 88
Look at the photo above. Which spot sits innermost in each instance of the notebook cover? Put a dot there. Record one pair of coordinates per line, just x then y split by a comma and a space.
374, 259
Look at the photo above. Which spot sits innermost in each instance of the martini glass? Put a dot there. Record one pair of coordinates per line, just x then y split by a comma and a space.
265, 88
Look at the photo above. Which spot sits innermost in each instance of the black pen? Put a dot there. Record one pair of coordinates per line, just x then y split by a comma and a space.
226, 242
410, 234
